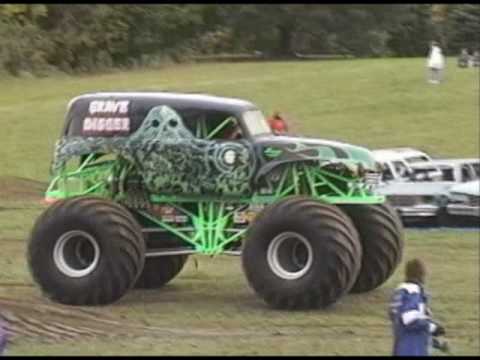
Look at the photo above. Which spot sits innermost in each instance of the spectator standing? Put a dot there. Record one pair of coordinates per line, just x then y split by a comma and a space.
476, 58
435, 63
414, 330
464, 59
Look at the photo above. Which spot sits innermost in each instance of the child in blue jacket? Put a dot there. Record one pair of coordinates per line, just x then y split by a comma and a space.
3, 338
413, 326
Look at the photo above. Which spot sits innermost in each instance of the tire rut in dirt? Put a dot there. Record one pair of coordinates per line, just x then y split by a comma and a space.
335, 247
381, 234
120, 243
25, 321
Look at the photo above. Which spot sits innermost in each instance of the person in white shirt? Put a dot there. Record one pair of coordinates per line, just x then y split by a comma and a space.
435, 63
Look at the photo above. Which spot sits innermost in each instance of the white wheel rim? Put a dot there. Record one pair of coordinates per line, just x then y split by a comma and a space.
283, 255
69, 257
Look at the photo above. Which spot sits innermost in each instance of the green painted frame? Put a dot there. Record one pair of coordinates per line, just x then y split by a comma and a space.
211, 226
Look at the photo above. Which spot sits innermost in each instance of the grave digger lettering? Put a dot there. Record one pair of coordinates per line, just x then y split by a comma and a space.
106, 117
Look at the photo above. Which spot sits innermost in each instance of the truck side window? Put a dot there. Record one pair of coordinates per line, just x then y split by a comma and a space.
387, 174
466, 175
476, 168
212, 125
401, 169
225, 128
447, 174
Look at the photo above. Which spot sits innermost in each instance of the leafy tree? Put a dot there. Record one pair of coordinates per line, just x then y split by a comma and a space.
464, 27
414, 32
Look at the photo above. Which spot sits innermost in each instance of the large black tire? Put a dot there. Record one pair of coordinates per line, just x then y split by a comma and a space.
158, 271
381, 234
86, 251
334, 246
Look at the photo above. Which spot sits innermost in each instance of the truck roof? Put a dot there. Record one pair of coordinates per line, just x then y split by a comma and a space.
453, 162
169, 98
140, 103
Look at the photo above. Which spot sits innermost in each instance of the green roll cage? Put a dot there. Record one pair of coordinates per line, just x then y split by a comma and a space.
211, 227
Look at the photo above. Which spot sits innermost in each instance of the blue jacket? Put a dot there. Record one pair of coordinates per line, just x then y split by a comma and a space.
412, 325
3, 339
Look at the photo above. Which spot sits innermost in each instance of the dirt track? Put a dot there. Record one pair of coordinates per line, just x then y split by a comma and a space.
51, 323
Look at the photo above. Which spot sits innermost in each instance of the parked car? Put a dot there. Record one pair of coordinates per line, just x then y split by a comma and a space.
425, 171
427, 198
417, 201
464, 200
458, 170
397, 162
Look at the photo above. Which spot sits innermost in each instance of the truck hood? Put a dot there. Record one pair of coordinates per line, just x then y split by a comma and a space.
286, 148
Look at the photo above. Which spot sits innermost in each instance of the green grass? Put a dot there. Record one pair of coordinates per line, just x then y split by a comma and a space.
375, 103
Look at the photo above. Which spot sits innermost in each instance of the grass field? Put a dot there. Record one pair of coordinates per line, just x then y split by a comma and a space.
209, 309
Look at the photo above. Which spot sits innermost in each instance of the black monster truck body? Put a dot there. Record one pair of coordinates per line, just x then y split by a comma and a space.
190, 173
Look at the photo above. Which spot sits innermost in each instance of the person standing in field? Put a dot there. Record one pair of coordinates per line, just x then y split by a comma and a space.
476, 58
435, 63
464, 59
415, 333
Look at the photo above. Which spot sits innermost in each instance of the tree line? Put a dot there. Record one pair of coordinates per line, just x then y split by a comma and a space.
41, 38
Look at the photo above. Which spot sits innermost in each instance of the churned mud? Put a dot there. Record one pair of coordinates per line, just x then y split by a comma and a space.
14, 188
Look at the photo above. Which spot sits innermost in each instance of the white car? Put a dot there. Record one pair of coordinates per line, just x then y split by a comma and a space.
458, 170
428, 198
397, 162
464, 200
416, 201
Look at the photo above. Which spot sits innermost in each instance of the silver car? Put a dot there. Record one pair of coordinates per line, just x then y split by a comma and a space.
397, 162
464, 200
427, 198
417, 200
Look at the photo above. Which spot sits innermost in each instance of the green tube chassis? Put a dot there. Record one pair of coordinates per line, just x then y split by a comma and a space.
205, 191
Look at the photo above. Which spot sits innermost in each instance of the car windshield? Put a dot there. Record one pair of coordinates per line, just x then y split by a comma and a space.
256, 123
416, 159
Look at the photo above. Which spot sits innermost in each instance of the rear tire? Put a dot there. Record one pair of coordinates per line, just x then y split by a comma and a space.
158, 271
300, 253
381, 234
86, 251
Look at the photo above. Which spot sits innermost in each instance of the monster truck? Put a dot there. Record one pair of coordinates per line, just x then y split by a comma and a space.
140, 181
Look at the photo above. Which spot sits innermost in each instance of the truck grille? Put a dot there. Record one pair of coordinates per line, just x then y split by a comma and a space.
399, 200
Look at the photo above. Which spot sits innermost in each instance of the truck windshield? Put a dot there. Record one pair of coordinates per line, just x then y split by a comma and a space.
256, 123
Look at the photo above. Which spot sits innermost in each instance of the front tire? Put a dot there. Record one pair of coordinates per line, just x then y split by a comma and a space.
300, 254
86, 251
